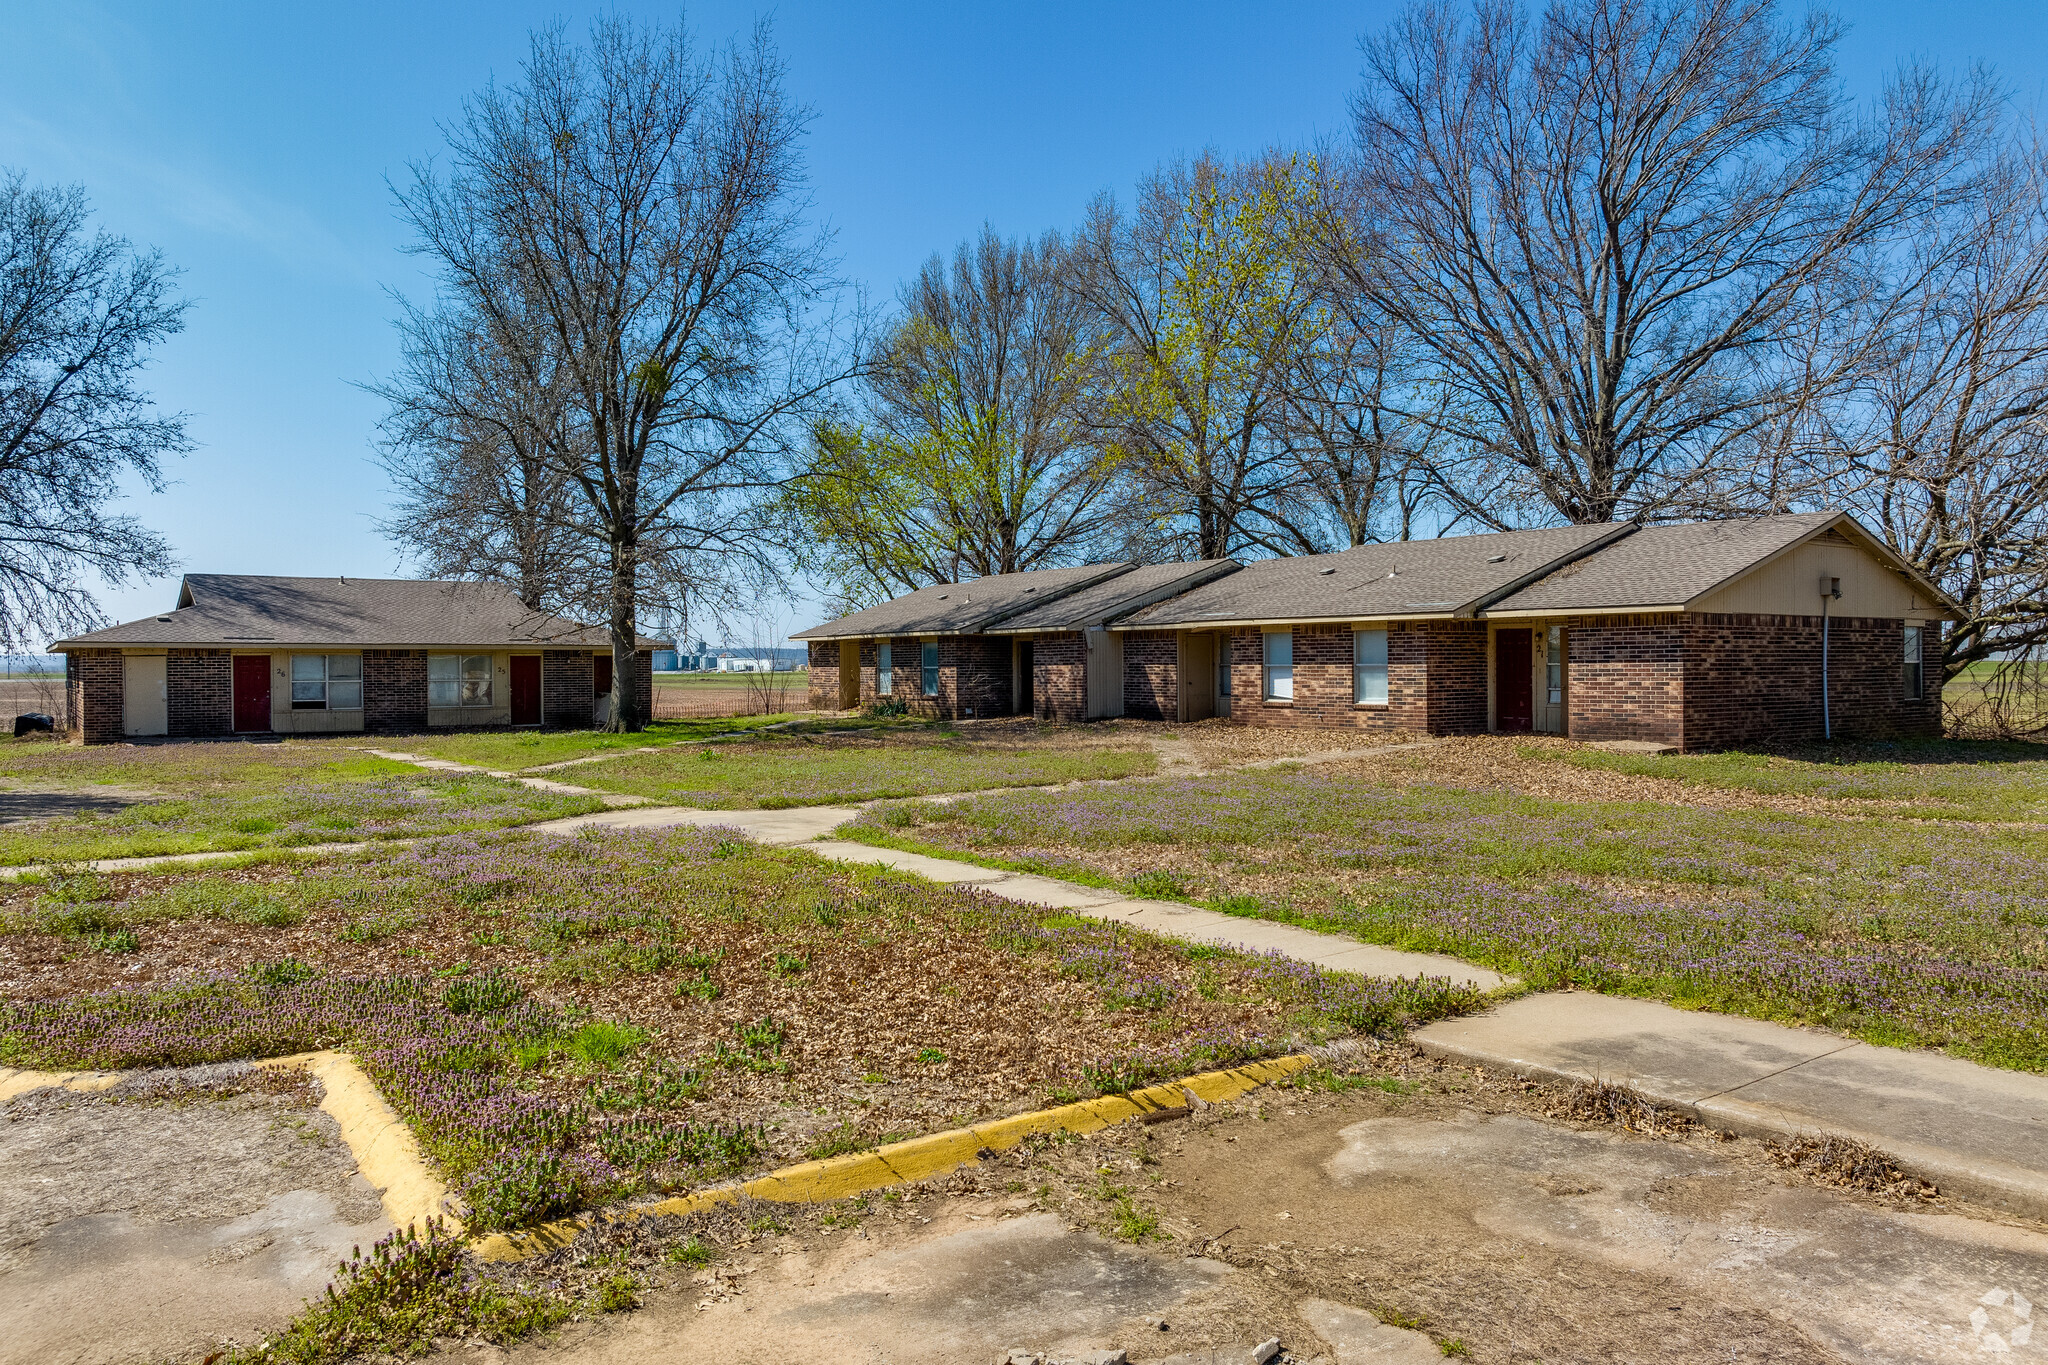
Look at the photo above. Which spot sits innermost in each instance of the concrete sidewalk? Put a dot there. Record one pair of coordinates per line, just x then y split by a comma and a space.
1972, 1130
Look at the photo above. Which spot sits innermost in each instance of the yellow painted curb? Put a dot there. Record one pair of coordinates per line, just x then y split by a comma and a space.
382, 1145
915, 1159
377, 1138
14, 1082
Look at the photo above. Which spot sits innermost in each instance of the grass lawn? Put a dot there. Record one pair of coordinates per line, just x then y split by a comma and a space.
1930, 780
1895, 931
811, 770
214, 796
515, 750
568, 1021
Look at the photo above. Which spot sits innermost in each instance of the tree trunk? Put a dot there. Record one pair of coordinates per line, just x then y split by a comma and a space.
629, 709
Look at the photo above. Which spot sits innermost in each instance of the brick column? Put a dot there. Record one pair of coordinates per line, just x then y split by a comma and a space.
394, 690
567, 688
94, 693
1059, 676
824, 675
200, 684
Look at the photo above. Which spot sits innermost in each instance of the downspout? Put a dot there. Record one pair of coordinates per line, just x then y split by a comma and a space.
1829, 588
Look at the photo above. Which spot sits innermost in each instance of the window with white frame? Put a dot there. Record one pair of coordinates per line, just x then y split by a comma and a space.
885, 672
930, 661
1369, 667
1914, 678
327, 682
1279, 665
458, 680
1553, 665
1223, 647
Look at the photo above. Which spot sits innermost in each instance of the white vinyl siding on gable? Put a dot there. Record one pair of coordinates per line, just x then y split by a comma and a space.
1280, 665
1369, 667
327, 682
458, 680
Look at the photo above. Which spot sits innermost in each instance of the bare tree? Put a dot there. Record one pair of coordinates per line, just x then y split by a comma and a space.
1598, 222
476, 443
1204, 314
641, 205
973, 458
1940, 440
79, 312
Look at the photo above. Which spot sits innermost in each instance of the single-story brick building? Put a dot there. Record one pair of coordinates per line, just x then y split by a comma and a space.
243, 654
1700, 635
936, 651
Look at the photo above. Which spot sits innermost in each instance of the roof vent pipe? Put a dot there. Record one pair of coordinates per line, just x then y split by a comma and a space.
1830, 590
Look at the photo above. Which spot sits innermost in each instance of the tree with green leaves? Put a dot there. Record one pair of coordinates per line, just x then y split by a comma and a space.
969, 455
1204, 312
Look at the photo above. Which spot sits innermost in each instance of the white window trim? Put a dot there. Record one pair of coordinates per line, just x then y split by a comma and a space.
1361, 672
326, 681
1277, 676
489, 677
885, 669
928, 673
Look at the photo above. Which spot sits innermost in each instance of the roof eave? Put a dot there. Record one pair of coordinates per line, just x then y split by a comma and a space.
1149, 598
1248, 622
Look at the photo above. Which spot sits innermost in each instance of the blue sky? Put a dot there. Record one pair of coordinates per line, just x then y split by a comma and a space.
252, 142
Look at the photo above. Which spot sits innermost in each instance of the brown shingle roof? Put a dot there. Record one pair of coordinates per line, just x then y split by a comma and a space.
963, 608
1665, 565
251, 609
1447, 577
1119, 596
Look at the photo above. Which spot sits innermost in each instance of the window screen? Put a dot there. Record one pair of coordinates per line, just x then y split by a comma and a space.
885, 672
1914, 680
1369, 667
1280, 665
1553, 665
458, 680
931, 668
327, 682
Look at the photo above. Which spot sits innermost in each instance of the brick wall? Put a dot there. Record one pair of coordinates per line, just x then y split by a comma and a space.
1626, 678
199, 685
567, 688
93, 686
1454, 656
643, 682
1757, 679
1151, 675
824, 675
1433, 669
394, 690
1059, 676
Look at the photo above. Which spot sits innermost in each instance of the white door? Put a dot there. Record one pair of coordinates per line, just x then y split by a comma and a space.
145, 702
1105, 673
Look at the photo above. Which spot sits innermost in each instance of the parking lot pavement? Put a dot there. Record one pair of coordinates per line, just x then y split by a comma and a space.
145, 1229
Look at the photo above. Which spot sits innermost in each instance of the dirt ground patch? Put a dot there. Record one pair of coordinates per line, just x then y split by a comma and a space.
170, 1215
1455, 1203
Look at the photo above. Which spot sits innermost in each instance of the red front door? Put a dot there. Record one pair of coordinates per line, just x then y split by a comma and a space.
252, 691
526, 689
1511, 690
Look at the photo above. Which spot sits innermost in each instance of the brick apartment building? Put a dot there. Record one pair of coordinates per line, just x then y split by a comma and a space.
243, 654
1700, 635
